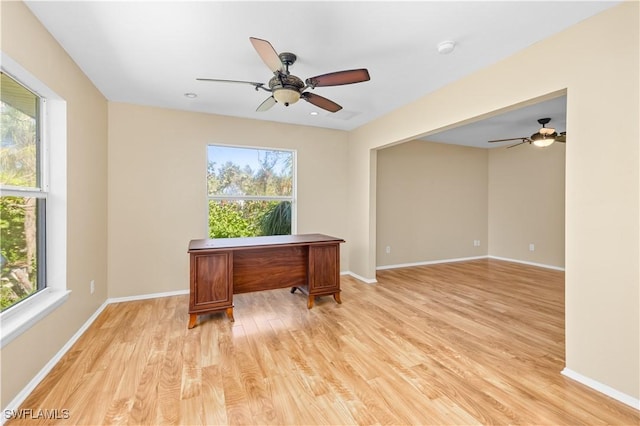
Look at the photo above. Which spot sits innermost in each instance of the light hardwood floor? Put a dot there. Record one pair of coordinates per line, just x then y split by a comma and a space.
478, 342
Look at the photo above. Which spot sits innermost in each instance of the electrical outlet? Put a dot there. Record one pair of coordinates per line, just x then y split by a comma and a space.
532, 247
388, 249
476, 243
92, 286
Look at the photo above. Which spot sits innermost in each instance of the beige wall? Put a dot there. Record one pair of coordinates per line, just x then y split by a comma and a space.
434, 199
526, 204
431, 202
29, 44
157, 188
600, 68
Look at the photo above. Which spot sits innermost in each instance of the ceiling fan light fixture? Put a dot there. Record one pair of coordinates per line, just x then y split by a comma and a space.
543, 143
543, 140
286, 96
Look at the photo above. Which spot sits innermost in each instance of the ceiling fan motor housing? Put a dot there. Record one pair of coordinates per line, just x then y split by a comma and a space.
286, 82
545, 136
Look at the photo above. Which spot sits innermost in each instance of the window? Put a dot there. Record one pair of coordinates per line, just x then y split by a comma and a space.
33, 200
251, 191
24, 194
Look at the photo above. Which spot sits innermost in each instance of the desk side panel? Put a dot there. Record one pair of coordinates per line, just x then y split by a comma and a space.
211, 285
324, 269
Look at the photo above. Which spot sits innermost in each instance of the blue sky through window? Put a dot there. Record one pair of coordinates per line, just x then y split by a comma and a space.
242, 156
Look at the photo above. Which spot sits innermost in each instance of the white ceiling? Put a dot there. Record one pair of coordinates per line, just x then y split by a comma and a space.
151, 53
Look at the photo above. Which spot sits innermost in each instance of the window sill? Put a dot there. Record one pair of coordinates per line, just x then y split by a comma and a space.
18, 319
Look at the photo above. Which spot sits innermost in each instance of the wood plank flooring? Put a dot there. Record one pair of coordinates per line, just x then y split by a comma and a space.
478, 342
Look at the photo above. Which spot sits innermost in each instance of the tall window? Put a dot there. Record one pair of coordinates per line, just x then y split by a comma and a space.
251, 191
23, 194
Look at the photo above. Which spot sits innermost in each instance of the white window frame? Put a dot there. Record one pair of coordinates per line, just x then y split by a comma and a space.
293, 198
18, 318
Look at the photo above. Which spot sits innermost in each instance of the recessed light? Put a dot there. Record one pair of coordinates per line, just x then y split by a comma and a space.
191, 95
313, 113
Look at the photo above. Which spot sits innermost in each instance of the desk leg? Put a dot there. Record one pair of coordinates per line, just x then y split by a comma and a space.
310, 301
230, 314
193, 318
336, 297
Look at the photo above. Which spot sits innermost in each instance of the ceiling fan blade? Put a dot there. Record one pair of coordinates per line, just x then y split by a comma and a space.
267, 53
510, 139
321, 102
523, 141
562, 137
267, 104
253, 83
339, 78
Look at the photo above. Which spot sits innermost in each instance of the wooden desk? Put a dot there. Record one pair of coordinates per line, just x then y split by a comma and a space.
222, 267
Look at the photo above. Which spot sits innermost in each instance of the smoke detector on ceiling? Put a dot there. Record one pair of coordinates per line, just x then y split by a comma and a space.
446, 47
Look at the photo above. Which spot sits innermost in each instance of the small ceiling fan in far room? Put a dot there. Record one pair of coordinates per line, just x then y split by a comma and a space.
544, 137
286, 88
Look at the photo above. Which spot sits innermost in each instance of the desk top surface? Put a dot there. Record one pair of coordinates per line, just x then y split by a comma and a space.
274, 240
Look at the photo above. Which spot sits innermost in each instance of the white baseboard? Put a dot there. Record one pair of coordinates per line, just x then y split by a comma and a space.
24, 393
458, 259
146, 296
602, 388
540, 265
462, 259
428, 262
360, 278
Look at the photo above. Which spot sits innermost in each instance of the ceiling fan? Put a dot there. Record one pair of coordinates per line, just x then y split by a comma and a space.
543, 137
286, 88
